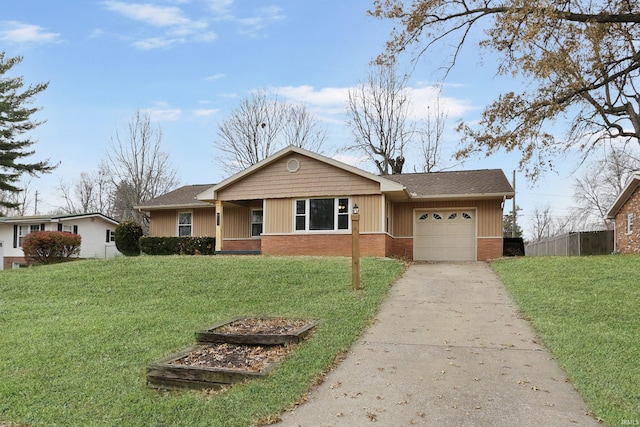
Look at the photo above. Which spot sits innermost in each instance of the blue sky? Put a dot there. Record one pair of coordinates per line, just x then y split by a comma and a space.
189, 62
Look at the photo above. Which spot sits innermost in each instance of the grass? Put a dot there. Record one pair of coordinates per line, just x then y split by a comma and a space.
75, 338
586, 309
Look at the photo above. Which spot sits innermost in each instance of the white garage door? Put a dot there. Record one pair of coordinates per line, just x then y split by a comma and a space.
444, 235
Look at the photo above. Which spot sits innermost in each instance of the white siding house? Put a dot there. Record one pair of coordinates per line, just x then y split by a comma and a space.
96, 230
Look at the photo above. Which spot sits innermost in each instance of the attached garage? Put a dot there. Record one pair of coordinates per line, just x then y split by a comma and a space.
444, 234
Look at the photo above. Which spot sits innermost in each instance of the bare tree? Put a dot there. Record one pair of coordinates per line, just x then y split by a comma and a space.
137, 167
92, 193
377, 112
541, 224
19, 203
599, 186
302, 130
260, 126
430, 134
545, 224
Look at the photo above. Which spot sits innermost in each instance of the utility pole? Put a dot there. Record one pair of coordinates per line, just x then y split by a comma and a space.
513, 226
35, 208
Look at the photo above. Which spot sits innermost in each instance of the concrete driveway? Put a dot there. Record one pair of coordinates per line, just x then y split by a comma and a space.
446, 349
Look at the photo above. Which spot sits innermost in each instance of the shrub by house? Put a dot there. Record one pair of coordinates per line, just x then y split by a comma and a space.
49, 247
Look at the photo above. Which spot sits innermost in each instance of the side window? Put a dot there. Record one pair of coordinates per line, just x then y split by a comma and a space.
256, 222
23, 230
629, 223
184, 223
343, 214
301, 215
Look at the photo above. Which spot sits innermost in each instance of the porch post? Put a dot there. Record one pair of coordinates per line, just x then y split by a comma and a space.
219, 225
355, 248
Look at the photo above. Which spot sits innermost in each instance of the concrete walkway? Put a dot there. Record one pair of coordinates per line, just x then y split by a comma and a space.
446, 349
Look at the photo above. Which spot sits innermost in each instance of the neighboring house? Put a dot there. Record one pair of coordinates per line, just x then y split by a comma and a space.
296, 202
624, 212
97, 233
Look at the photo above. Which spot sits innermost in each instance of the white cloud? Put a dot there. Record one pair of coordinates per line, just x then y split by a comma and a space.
221, 8
333, 101
155, 43
428, 96
160, 16
18, 32
205, 112
328, 96
163, 112
178, 27
214, 77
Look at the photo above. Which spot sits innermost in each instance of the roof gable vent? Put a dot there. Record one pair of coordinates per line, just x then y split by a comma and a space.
293, 165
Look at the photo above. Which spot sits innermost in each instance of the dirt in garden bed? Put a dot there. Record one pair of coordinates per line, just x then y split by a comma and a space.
273, 326
252, 358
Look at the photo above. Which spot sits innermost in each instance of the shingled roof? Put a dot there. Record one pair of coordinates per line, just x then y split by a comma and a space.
183, 197
472, 183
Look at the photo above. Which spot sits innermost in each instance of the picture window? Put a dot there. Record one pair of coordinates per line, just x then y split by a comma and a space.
326, 214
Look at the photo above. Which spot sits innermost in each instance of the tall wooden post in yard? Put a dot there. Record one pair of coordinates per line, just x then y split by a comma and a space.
355, 248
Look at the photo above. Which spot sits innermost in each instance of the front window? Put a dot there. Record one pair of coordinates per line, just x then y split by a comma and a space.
184, 223
327, 214
23, 230
256, 222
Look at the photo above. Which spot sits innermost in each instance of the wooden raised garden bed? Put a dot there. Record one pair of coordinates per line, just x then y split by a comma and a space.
258, 331
234, 351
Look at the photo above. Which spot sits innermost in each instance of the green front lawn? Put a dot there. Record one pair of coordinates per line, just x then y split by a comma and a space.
76, 338
587, 311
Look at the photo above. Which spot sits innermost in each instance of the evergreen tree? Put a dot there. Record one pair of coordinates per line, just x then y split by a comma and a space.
15, 122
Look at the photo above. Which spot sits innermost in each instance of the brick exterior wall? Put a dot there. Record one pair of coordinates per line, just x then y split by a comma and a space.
489, 248
371, 245
241, 245
9, 260
401, 248
629, 243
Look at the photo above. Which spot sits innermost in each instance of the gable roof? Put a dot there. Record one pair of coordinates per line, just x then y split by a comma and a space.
54, 218
385, 184
183, 197
622, 198
485, 183
478, 184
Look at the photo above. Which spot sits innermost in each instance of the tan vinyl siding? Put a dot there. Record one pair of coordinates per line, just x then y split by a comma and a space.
204, 222
489, 215
312, 179
278, 216
371, 213
237, 222
163, 223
